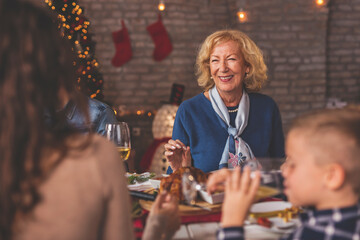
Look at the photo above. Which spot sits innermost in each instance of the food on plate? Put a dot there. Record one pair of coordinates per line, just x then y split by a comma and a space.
134, 178
289, 213
173, 185
265, 191
136, 210
265, 222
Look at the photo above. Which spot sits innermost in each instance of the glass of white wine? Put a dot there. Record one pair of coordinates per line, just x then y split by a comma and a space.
271, 178
119, 134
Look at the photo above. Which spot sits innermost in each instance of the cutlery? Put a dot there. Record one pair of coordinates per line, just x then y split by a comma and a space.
143, 195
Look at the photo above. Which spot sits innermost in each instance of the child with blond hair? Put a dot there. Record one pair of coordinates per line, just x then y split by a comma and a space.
321, 172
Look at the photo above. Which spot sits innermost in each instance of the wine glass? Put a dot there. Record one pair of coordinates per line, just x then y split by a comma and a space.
119, 134
271, 177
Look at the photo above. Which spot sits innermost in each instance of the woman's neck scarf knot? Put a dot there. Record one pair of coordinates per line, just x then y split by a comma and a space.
236, 151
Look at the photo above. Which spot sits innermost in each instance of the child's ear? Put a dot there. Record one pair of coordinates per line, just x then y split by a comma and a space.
335, 176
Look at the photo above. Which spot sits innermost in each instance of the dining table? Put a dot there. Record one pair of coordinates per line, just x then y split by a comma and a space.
202, 224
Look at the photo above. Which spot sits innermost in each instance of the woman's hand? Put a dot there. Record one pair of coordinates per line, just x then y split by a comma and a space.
240, 191
177, 154
166, 208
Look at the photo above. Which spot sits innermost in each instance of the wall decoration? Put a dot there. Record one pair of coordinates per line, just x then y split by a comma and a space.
122, 45
160, 37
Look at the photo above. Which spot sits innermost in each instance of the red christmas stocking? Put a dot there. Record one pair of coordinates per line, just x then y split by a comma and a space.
160, 37
123, 47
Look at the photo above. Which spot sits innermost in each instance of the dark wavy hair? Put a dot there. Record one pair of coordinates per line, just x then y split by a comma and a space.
35, 62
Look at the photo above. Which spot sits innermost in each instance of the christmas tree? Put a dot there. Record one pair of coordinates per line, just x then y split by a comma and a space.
75, 27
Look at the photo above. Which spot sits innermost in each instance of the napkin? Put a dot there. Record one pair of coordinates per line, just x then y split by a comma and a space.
140, 186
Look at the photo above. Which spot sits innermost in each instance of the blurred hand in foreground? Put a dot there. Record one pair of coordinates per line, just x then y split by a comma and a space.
164, 218
240, 191
217, 179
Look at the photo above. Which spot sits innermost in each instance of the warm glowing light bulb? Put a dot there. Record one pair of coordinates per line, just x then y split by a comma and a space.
320, 2
242, 15
161, 6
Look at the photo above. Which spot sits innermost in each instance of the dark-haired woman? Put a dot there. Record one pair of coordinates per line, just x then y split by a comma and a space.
56, 183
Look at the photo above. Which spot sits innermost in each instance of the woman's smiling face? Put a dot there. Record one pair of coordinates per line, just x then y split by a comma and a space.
228, 67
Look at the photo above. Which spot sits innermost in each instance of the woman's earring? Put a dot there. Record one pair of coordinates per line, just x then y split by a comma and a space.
211, 78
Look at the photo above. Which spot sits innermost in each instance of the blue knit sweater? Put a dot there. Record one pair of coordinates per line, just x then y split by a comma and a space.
197, 125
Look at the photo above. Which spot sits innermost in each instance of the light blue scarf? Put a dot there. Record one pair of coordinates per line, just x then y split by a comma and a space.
242, 151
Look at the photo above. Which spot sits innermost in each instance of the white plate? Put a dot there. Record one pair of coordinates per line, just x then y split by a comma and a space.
277, 230
279, 223
155, 183
265, 207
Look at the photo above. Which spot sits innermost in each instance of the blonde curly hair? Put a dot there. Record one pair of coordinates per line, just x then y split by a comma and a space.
253, 56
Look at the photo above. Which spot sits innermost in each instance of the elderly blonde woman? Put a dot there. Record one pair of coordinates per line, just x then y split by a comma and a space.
229, 122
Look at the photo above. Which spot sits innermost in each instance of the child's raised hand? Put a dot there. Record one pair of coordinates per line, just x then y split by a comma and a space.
216, 180
240, 191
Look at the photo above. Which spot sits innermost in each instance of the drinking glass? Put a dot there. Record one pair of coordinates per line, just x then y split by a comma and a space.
119, 134
271, 182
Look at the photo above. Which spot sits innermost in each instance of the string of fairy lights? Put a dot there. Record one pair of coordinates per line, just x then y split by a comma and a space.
241, 14
75, 27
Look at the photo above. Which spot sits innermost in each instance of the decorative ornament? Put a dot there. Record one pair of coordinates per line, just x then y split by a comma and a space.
164, 121
123, 46
154, 159
160, 37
